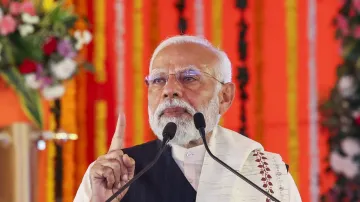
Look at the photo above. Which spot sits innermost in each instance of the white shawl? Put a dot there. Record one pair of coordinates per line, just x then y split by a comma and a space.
265, 169
216, 183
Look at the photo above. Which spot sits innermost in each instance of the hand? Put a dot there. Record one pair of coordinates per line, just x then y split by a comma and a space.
112, 170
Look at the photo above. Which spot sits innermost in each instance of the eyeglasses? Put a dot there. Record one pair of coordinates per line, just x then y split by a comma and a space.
188, 78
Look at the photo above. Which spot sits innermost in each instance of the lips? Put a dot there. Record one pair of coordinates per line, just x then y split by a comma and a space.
174, 111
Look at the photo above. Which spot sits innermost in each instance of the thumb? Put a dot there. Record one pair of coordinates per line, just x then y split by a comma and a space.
118, 137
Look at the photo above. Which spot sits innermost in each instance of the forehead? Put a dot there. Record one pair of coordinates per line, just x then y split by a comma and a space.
179, 56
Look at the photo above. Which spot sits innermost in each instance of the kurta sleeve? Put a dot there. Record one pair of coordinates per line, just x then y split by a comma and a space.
83, 194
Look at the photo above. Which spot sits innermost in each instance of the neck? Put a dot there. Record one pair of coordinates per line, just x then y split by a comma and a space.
198, 142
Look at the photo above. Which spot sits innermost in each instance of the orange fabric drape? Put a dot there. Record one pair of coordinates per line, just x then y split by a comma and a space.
81, 102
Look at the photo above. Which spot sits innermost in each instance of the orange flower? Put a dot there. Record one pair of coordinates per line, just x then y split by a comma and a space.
81, 25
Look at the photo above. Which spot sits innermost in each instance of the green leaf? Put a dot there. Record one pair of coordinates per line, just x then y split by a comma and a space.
29, 99
55, 13
26, 47
327, 105
59, 29
89, 67
7, 52
341, 71
69, 21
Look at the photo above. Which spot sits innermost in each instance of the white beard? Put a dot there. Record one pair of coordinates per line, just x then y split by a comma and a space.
186, 131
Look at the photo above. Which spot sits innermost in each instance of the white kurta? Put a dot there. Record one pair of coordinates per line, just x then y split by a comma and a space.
216, 183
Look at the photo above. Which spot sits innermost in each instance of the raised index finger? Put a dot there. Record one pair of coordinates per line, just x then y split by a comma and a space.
118, 138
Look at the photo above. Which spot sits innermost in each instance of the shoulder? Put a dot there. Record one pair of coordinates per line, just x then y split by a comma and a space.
235, 139
277, 159
270, 159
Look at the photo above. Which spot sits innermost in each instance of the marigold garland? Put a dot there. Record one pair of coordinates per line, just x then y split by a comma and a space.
69, 125
137, 59
216, 33
100, 106
291, 36
81, 7
50, 176
216, 18
101, 131
99, 41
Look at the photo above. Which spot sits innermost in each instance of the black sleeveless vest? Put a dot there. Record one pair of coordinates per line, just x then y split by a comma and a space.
164, 182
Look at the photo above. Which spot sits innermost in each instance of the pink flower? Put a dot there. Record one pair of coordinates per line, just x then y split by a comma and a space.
350, 168
28, 7
343, 24
347, 86
350, 146
336, 162
15, 8
357, 32
7, 25
357, 5
341, 50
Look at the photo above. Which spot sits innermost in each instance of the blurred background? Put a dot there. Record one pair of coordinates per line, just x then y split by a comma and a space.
294, 64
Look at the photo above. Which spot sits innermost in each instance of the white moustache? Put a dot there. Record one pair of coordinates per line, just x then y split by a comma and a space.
174, 103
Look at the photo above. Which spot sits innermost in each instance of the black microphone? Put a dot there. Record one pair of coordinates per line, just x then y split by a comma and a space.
200, 125
168, 134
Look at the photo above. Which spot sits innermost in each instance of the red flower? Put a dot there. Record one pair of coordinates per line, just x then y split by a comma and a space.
28, 66
5, 2
357, 120
50, 46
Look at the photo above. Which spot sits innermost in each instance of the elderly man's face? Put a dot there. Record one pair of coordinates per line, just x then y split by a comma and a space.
182, 81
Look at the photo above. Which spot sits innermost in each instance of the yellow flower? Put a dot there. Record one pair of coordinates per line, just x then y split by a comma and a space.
49, 5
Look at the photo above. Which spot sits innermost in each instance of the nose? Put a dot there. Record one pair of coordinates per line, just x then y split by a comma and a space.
172, 88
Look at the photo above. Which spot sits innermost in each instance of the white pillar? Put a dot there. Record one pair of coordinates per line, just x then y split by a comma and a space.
21, 144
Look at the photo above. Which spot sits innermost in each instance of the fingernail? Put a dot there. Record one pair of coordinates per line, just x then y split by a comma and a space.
125, 156
125, 178
119, 186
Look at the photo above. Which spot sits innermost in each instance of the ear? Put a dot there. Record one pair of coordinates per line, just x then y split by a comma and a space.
226, 97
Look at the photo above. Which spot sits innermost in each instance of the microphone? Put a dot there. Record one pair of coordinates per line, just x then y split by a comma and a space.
168, 134
200, 126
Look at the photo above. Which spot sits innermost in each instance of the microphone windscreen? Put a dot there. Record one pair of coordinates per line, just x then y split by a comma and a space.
199, 120
169, 130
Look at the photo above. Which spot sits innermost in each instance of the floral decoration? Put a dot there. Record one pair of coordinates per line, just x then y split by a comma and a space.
341, 111
39, 49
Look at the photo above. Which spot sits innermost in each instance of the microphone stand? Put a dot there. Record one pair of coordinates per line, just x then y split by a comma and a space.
202, 133
162, 149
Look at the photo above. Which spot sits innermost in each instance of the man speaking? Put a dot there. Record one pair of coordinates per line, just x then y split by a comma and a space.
188, 75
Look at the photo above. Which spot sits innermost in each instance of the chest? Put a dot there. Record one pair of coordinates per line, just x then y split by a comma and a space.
162, 185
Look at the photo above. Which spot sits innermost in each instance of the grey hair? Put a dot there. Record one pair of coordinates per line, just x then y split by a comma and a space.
222, 73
